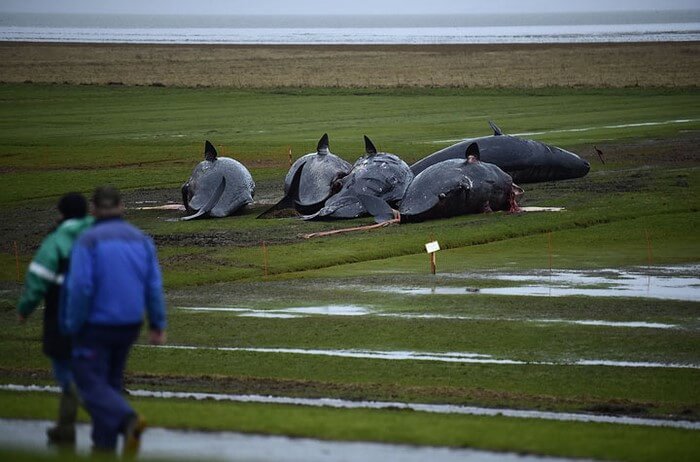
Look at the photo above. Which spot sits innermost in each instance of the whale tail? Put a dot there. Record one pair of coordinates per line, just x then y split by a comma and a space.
378, 208
288, 201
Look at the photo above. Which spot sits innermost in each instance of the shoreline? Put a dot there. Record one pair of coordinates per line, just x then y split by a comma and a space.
604, 65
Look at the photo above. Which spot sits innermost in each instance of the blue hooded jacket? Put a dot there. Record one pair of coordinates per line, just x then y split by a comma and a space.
113, 278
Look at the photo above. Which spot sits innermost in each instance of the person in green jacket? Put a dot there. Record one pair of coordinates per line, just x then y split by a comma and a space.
43, 281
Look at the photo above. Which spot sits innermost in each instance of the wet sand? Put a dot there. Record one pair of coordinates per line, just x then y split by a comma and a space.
669, 64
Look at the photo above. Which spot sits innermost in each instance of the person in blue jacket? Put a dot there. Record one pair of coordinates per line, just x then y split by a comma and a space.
113, 280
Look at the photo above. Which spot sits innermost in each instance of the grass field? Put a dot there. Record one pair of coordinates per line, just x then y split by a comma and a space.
639, 209
671, 64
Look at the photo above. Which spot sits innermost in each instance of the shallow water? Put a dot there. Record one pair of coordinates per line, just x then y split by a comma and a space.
419, 407
354, 310
666, 283
162, 443
448, 357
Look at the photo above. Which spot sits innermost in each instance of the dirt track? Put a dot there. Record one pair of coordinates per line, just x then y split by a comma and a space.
670, 64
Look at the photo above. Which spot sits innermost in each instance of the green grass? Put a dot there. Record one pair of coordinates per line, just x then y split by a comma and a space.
604, 441
641, 207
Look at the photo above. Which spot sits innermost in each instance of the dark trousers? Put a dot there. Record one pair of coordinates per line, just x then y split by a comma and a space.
99, 358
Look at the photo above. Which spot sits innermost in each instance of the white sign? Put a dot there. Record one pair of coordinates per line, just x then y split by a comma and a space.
431, 247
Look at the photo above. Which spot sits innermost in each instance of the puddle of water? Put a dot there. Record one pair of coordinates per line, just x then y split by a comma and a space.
433, 408
293, 312
666, 283
162, 443
352, 310
543, 209
162, 207
584, 322
448, 357
267, 314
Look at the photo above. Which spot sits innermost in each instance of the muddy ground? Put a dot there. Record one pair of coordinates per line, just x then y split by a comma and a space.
27, 223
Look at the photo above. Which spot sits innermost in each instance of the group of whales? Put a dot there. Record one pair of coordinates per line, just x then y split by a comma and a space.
473, 176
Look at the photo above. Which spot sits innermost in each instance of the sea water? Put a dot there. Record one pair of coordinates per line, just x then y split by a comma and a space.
348, 29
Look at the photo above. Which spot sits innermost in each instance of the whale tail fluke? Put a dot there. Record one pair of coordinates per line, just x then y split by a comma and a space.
288, 201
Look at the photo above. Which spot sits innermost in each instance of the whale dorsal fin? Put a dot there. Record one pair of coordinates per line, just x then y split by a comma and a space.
369, 147
496, 130
209, 151
322, 146
473, 150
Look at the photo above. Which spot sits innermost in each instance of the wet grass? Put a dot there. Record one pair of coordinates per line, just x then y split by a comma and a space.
567, 439
641, 207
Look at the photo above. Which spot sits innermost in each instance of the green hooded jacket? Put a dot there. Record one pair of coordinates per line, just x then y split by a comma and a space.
46, 271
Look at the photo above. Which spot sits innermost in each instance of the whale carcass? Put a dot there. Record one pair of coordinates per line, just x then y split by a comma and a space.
450, 188
379, 174
218, 186
526, 161
311, 180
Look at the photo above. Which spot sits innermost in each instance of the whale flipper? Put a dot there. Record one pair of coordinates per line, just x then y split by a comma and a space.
211, 202
377, 207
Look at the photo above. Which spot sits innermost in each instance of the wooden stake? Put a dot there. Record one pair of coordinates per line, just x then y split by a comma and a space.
650, 253
265, 259
433, 263
289, 154
17, 260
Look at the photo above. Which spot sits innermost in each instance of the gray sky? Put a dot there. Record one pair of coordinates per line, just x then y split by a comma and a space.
336, 6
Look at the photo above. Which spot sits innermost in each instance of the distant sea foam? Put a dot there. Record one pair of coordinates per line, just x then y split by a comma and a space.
309, 30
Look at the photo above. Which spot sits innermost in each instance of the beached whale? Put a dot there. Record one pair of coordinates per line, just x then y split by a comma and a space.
218, 186
378, 174
311, 180
450, 188
526, 161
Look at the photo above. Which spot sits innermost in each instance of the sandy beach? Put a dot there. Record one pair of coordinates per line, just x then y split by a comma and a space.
671, 64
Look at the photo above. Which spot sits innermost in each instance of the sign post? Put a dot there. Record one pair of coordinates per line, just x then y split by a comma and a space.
432, 248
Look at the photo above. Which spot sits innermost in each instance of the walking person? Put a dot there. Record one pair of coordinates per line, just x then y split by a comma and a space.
44, 278
114, 278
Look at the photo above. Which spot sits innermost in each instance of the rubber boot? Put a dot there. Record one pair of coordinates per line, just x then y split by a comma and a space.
64, 432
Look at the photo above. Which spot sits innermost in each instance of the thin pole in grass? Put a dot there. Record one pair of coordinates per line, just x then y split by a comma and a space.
289, 155
17, 260
549, 251
265, 259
